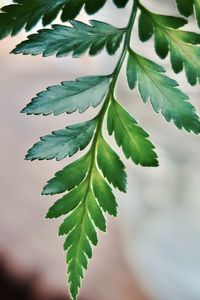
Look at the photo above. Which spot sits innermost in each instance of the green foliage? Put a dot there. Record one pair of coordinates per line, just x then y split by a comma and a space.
87, 182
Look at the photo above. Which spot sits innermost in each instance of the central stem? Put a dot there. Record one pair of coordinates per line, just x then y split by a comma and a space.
125, 48
109, 98
113, 82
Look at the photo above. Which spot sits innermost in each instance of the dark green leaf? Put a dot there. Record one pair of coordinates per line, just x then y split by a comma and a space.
95, 212
70, 96
64, 142
162, 92
26, 13
71, 176
146, 28
92, 6
103, 194
132, 138
182, 44
68, 202
187, 7
111, 165
148, 21
120, 3
62, 40
73, 219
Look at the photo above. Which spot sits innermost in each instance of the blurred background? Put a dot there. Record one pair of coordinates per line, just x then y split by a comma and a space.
152, 250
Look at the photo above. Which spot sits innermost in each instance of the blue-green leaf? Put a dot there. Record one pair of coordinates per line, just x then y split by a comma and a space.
64, 142
62, 40
70, 96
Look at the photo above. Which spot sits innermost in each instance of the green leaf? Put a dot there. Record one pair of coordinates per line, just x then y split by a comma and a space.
111, 165
184, 53
153, 24
92, 7
103, 194
162, 92
62, 40
95, 212
70, 177
132, 138
82, 205
197, 11
182, 44
26, 13
146, 28
148, 21
186, 8
67, 203
70, 96
64, 142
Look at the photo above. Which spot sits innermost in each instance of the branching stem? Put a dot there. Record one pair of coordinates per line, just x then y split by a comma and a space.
110, 95
115, 75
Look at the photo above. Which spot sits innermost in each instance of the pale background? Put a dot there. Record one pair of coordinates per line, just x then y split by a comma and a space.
152, 251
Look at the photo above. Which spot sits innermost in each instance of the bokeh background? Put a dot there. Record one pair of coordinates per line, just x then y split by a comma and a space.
152, 251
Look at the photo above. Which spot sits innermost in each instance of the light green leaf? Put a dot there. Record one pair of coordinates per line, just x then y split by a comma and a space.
162, 91
111, 165
62, 40
132, 138
64, 142
70, 96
